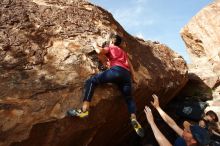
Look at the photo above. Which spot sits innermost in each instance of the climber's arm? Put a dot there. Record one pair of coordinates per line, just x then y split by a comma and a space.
99, 49
103, 60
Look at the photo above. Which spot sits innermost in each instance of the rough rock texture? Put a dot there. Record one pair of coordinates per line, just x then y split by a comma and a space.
201, 35
45, 57
202, 38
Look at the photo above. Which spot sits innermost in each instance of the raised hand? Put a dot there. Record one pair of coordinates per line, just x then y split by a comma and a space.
149, 115
155, 103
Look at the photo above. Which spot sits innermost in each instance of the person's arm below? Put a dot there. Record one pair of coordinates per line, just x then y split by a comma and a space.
166, 117
161, 139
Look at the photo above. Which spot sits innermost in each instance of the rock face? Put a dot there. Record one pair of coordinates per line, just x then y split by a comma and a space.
202, 38
201, 35
45, 58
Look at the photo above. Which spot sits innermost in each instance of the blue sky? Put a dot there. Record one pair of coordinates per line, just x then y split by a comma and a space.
156, 20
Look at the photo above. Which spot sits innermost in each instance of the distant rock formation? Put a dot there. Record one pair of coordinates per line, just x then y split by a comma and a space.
202, 38
45, 57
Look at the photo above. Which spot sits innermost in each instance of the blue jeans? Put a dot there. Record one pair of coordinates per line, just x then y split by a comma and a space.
116, 75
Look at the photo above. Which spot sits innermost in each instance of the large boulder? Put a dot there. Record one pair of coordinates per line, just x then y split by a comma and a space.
201, 35
45, 57
202, 38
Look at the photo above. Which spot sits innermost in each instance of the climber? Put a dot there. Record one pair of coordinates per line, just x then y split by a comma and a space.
120, 72
191, 135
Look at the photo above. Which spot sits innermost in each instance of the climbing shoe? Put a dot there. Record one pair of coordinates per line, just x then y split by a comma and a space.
137, 127
77, 113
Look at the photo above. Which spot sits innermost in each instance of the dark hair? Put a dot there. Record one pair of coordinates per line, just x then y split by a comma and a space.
213, 126
116, 39
212, 114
